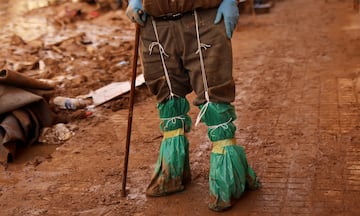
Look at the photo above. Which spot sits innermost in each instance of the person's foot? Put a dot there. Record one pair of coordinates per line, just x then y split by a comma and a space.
158, 192
163, 184
218, 208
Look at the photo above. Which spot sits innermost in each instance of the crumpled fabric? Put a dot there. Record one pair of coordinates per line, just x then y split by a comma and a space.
19, 128
22, 113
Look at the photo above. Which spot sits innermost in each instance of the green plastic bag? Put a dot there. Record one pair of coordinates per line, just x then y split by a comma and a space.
172, 169
230, 173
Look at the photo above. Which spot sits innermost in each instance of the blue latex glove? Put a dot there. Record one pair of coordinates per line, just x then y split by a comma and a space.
228, 10
135, 12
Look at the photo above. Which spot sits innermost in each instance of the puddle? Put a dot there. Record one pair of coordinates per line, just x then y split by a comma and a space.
33, 154
38, 26
28, 28
3, 8
18, 7
354, 24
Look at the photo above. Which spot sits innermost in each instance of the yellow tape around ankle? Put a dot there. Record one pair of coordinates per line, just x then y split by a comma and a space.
173, 133
218, 146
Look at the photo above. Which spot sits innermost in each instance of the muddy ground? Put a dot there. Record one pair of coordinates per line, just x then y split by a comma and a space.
296, 71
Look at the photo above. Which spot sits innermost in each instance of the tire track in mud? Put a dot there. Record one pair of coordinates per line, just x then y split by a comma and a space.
298, 127
349, 117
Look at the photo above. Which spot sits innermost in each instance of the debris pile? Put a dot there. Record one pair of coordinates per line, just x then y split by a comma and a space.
68, 47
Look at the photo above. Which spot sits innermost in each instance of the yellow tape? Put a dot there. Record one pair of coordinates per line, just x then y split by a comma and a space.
218, 146
173, 133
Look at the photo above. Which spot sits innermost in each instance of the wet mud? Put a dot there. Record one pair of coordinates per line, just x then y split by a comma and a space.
296, 71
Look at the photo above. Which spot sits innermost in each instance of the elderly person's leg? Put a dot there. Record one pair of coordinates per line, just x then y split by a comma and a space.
167, 79
230, 173
172, 170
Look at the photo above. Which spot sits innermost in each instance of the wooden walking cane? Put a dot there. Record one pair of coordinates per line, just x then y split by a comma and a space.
131, 106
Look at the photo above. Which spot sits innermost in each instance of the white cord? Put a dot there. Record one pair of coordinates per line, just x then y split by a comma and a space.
162, 54
206, 88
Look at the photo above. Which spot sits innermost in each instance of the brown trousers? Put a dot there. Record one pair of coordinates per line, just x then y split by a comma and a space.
179, 40
164, 7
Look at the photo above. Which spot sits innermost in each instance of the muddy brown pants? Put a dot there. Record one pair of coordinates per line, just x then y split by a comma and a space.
179, 40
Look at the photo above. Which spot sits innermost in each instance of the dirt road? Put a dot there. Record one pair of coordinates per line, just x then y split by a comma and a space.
297, 72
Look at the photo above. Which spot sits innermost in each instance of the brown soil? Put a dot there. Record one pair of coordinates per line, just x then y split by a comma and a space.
296, 71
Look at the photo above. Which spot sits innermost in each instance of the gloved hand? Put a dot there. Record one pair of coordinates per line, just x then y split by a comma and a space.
229, 11
135, 12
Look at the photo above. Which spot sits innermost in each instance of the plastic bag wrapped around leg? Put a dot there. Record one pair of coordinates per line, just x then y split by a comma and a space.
172, 169
230, 173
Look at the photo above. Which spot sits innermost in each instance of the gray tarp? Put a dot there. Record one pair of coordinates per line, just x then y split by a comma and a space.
22, 112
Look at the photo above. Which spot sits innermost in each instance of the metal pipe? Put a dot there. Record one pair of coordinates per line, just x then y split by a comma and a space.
17, 79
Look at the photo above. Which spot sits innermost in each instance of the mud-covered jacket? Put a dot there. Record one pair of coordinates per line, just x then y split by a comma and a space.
164, 7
